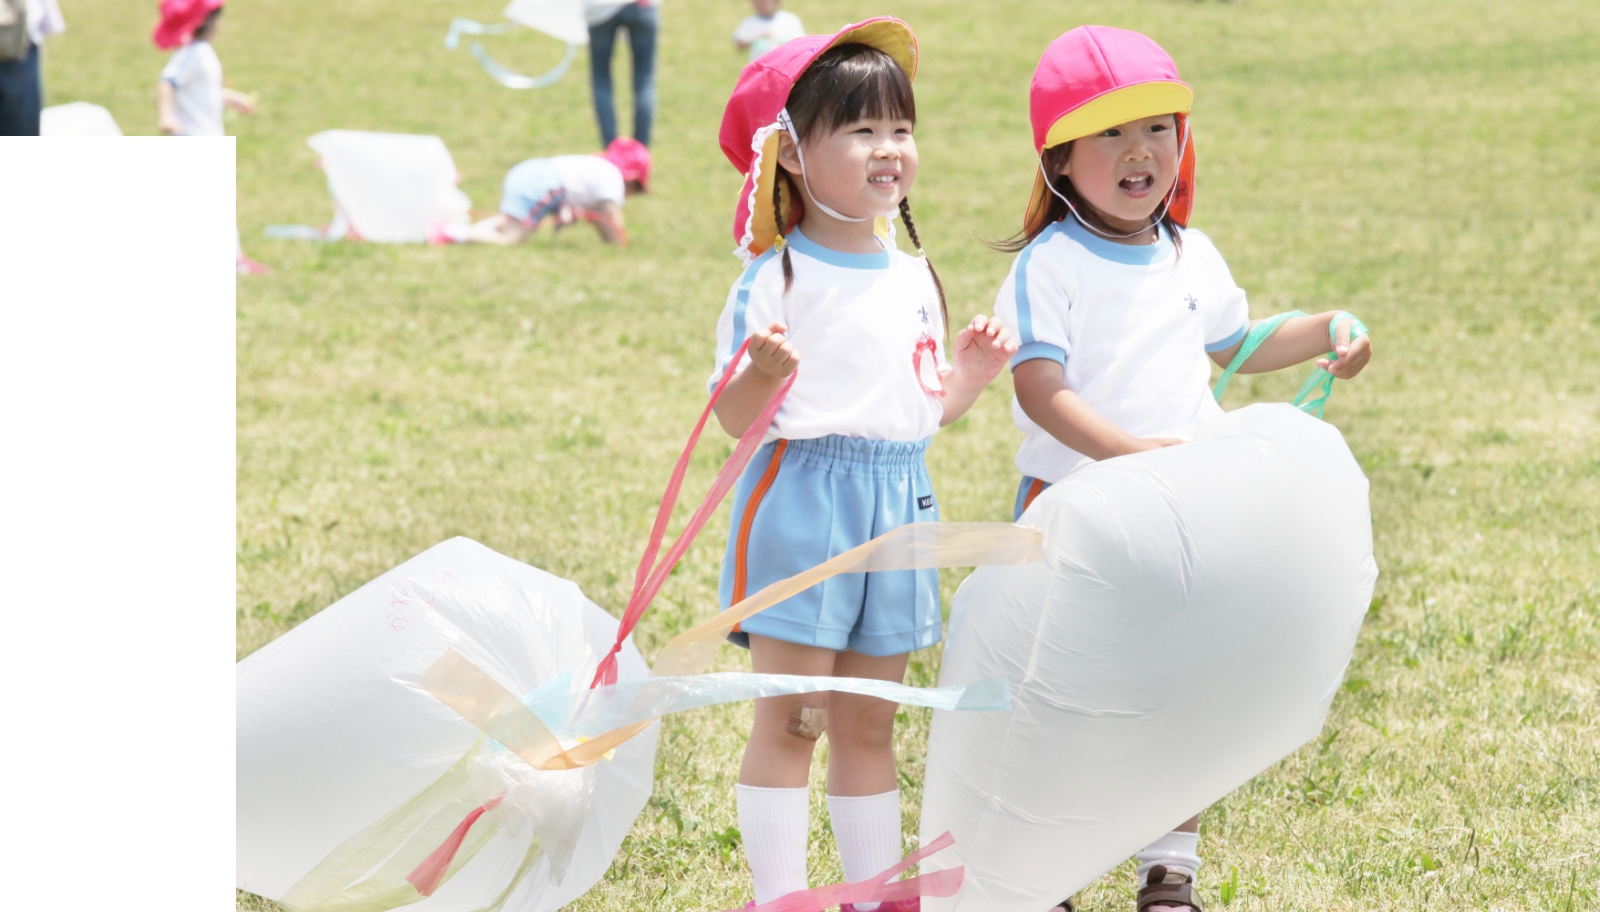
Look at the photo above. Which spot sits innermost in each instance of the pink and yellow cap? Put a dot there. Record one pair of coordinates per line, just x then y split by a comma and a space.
1095, 77
749, 134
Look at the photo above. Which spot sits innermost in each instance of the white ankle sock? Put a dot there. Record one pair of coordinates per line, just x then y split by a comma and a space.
867, 830
1178, 851
773, 825
454, 231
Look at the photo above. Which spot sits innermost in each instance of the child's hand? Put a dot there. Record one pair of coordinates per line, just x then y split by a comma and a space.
239, 101
1352, 356
771, 353
982, 349
168, 124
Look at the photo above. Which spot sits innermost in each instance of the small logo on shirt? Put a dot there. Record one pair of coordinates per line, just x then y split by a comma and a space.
1190, 300
925, 503
924, 312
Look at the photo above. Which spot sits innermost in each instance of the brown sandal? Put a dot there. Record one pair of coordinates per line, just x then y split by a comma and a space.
1063, 906
1172, 888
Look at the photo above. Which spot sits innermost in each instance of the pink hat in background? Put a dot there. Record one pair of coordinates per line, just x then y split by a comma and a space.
631, 157
1095, 77
750, 129
179, 19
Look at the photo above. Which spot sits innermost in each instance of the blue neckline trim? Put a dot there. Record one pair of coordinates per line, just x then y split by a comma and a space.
812, 249
1126, 254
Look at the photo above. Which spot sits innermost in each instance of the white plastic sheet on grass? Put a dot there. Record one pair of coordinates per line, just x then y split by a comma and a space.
334, 736
78, 118
391, 186
1188, 627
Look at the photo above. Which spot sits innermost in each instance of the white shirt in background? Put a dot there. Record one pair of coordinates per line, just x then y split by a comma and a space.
856, 320
1130, 325
44, 20
195, 75
589, 180
763, 34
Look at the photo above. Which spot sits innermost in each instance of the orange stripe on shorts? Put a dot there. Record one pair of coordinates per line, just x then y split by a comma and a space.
1033, 491
742, 547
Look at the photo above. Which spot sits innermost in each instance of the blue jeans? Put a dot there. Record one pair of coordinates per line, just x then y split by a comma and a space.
641, 23
21, 96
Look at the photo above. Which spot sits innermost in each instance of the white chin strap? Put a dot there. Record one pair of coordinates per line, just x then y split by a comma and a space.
1154, 220
785, 121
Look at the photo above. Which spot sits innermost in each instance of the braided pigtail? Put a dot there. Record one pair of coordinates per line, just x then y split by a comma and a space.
911, 229
777, 219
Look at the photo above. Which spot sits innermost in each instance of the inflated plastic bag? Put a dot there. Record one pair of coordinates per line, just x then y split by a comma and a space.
78, 118
391, 186
358, 790
1188, 627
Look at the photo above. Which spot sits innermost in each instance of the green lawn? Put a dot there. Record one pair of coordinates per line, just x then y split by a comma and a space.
1428, 165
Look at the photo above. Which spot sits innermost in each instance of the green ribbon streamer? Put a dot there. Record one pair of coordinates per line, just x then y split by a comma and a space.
1314, 393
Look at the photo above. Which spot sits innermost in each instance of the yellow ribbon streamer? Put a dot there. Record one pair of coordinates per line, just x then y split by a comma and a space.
497, 712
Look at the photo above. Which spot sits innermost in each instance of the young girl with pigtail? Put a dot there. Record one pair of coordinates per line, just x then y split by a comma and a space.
821, 127
1121, 308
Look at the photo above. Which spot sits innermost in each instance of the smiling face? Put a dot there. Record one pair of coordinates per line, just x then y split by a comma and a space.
862, 169
1125, 172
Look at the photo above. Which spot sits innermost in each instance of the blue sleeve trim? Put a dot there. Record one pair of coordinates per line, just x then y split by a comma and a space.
1024, 307
742, 299
1034, 351
1231, 341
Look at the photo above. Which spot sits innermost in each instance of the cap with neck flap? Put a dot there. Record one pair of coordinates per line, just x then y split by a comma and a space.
751, 122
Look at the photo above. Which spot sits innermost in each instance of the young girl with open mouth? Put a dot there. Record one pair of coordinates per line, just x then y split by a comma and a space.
1121, 309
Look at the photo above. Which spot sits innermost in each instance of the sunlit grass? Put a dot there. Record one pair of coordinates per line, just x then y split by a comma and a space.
1427, 165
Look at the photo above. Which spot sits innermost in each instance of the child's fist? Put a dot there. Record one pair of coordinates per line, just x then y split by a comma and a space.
771, 353
1351, 356
982, 349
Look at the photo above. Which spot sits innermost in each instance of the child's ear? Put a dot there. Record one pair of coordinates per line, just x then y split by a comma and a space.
787, 155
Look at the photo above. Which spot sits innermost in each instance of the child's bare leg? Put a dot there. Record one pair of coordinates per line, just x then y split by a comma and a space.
863, 783
774, 802
778, 754
498, 229
861, 729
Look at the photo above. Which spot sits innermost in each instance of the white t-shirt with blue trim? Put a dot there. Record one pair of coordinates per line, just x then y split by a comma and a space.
195, 74
856, 320
1130, 325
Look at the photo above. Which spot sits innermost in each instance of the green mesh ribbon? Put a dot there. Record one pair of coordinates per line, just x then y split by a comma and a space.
1318, 387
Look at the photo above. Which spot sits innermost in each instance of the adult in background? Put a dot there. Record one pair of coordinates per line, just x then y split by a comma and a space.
641, 19
24, 24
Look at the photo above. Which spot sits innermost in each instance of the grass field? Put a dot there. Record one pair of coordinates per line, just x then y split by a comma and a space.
1428, 165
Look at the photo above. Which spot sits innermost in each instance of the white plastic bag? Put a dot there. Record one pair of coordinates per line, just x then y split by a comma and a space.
561, 19
78, 118
351, 778
1188, 627
391, 186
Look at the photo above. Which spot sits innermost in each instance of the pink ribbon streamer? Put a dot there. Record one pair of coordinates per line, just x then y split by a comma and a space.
876, 888
427, 876
648, 582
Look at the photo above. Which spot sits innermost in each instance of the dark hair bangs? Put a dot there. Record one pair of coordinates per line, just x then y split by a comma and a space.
847, 83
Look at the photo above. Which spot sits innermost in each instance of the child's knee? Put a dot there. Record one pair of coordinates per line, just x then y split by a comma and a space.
808, 722
862, 723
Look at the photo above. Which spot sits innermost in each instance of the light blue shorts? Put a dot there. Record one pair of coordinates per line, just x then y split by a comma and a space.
532, 190
800, 502
1029, 489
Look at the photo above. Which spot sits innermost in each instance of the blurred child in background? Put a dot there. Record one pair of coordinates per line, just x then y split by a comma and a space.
766, 28
561, 190
190, 95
